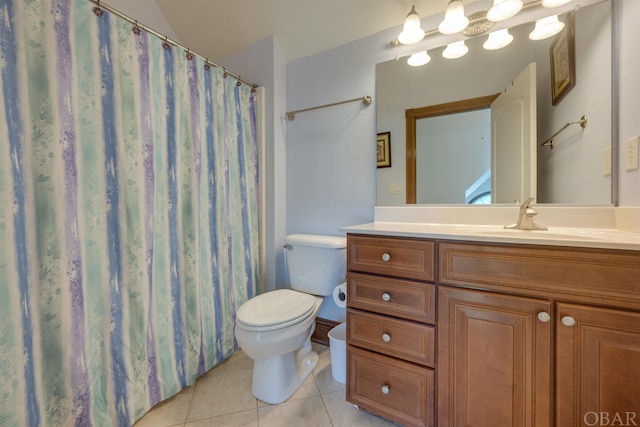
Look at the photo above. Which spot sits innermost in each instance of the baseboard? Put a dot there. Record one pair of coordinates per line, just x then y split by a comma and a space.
323, 326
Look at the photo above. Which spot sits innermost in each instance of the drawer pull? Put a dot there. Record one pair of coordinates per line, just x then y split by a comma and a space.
386, 297
544, 317
386, 257
568, 321
385, 389
386, 337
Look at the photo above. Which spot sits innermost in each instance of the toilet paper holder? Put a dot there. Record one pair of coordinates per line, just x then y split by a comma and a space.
340, 295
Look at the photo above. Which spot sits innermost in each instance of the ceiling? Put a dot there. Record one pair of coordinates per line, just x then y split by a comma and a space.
217, 29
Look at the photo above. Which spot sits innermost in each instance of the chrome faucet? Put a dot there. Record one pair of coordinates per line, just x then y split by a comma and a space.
525, 218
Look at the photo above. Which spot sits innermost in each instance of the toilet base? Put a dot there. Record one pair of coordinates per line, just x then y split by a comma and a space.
276, 378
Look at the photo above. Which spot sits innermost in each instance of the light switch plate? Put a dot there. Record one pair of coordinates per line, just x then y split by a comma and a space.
631, 154
395, 189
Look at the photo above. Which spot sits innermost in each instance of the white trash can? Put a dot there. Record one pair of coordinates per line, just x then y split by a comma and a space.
338, 348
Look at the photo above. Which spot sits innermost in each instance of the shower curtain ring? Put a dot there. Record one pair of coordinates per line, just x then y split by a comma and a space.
98, 10
165, 45
189, 55
207, 66
136, 29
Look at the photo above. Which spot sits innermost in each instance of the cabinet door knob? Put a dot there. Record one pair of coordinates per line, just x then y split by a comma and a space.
385, 389
386, 337
386, 297
568, 321
544, 317
386, 257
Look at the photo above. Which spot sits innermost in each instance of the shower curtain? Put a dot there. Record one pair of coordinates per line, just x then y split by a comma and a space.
128, 215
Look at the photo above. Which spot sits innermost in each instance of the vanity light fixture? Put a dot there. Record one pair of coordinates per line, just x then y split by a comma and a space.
419, 59
455, 22
554, 3
504, 9
455, 50
546, 27
412, 32
454, 19
498, 40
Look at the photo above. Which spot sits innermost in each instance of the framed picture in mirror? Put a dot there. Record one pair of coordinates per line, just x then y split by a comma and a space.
563, 60
383, 150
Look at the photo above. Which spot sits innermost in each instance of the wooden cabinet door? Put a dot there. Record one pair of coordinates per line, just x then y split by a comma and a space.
598, 366
494, 360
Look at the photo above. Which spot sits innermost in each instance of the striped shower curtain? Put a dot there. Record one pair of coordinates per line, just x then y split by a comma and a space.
128, 216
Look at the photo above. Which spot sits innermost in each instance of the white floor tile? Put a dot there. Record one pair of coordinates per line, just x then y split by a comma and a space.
222, 392
237, 419
344, 414
223, 398
308, 412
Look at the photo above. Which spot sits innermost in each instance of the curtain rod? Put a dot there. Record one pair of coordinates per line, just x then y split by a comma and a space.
366, 101
101, 6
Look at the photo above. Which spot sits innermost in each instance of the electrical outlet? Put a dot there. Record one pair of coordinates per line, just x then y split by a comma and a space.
606, 161
395, 189
631, 154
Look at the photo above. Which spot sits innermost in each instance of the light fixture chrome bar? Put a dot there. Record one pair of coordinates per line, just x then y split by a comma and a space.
366, 101
549, 141
149, 30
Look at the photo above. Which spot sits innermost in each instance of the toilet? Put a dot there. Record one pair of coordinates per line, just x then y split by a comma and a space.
274, 328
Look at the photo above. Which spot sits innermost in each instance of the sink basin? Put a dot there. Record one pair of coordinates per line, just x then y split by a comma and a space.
557, 234
547, 235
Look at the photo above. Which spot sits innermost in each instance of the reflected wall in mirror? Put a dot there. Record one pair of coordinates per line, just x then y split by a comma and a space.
464, 149
572, 171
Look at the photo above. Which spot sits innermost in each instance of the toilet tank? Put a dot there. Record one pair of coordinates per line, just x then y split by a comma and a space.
316, 264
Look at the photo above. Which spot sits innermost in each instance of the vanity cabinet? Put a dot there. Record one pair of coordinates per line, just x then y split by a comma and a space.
391, 328
525, 335
530, 314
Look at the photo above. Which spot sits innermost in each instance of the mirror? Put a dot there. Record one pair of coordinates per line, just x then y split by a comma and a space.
571, 172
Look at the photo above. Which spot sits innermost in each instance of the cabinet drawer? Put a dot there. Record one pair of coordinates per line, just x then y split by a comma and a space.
409, 258
397, 390
398, 338
400, 298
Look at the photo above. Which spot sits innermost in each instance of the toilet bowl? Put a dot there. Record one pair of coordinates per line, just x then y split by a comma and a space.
274, 328
281, 351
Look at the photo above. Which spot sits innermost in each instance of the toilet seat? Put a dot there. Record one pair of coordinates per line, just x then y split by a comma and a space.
275, 310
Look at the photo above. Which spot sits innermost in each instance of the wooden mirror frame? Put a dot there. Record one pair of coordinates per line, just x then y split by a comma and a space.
413, 114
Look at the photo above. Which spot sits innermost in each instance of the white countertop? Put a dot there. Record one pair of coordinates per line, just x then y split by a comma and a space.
607, 238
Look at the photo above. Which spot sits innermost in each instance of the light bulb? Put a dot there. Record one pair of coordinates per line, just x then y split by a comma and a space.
419, 59
503, 10
498, 40
546, 27
455, 50
411, 33
454, 19
554, 3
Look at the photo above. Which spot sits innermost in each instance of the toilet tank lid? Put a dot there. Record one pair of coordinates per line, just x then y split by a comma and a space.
316, 240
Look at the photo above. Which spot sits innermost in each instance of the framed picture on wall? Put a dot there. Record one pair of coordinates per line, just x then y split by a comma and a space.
563, 61
383, 150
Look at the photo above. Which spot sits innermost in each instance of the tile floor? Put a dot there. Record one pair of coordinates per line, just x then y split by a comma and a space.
223, 398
